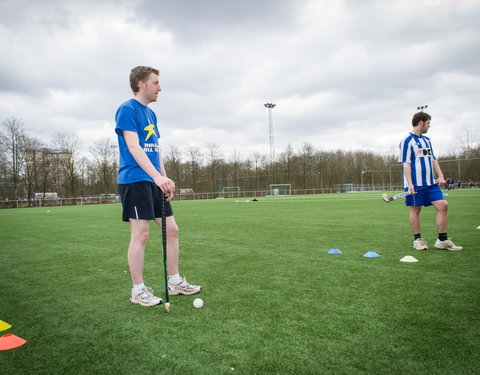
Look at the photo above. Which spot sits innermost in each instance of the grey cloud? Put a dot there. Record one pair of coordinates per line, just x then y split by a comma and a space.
203, 20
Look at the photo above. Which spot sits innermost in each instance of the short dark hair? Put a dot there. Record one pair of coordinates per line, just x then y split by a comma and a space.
140, 73
420, 116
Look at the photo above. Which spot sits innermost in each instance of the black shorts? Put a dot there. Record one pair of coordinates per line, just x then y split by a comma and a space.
142, 201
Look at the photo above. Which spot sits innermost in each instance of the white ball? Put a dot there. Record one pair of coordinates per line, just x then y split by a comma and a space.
198, 303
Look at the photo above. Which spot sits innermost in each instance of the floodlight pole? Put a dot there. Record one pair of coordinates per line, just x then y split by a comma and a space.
270, 106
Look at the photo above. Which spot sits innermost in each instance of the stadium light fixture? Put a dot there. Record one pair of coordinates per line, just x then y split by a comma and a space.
421, 108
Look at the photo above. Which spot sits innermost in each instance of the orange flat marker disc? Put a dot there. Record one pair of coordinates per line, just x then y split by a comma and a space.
10, 341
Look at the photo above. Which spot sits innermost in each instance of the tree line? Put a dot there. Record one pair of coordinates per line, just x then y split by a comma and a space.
28, 166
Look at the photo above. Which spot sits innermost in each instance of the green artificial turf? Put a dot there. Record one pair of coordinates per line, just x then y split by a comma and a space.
275, 301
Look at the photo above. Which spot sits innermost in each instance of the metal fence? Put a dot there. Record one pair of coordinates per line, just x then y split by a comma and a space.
81, 201
23, 203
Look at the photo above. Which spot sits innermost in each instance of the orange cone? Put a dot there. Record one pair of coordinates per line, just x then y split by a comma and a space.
10, 341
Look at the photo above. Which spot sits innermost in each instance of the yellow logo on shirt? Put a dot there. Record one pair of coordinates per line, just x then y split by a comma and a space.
151, 130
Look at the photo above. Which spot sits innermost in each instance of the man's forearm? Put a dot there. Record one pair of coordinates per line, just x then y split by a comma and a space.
407, 171
437, 169
440, 179
143, 161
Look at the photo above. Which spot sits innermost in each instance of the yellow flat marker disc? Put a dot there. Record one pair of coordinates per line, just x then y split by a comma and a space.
4, 325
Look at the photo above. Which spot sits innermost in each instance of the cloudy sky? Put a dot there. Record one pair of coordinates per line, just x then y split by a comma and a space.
344, 74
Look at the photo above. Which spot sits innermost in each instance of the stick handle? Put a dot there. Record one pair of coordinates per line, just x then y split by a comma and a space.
164, 246
401, 195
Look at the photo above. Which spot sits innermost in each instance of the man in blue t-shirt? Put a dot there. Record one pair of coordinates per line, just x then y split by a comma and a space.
419, 169
142, 181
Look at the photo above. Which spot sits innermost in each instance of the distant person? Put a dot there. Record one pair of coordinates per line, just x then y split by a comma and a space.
142, 180
447, 184
419, 169
451, 184
459, 184
472, 183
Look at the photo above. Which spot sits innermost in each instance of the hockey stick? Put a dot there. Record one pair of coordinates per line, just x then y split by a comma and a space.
164, 244
388, 199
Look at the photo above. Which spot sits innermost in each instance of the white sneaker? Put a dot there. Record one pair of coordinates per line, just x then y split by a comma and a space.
183, 287
420, 244
145, 297
447, 245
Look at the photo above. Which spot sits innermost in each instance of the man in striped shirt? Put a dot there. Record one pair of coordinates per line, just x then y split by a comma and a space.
419, 170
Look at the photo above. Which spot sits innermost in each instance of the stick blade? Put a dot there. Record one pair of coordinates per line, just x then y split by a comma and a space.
167, 307
386, 198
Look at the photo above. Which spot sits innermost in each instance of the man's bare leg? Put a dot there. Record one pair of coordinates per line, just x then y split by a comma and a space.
139, 230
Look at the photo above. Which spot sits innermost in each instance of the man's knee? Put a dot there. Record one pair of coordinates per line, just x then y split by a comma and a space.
415, 210
172, 230
140, 234
441, 205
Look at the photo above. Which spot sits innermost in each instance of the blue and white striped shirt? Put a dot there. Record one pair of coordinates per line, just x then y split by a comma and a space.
418, 151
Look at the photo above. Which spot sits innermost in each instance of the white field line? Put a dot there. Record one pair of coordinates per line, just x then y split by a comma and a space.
276, 200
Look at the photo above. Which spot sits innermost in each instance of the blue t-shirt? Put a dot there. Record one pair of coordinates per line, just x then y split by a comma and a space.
418, 151
135, 117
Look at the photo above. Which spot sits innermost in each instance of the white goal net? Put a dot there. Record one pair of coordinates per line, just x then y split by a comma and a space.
275, 190
230, 191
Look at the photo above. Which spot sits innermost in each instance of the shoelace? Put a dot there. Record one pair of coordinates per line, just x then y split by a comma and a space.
183, 284
182, 280
147, 292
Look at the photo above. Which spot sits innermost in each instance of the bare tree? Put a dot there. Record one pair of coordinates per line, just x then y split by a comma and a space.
67, 158
173, 165
257, 168
266, 166
14, 147
194, 165
45, 167
215, 160
34, 159
104, 153
468, 140
307, 155
286, 160
3, 166
236, 164
88, 178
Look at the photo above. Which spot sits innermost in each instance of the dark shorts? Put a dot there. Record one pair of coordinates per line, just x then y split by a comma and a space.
425, 197
142, 201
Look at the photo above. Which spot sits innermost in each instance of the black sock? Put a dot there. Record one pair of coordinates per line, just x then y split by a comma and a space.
417, 236
442, 236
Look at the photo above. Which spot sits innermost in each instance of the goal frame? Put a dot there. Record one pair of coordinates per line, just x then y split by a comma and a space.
230, 191
278, 190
